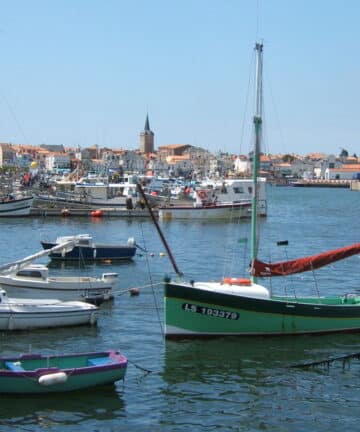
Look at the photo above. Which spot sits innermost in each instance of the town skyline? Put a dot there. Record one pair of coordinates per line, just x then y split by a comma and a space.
146, 145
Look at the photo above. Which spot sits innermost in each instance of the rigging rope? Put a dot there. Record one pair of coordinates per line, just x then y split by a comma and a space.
151, 283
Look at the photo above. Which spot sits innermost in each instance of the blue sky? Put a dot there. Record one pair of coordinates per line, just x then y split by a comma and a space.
84, 72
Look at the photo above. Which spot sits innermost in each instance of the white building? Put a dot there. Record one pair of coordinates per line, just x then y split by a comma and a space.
57, 161
346, 172
242, 166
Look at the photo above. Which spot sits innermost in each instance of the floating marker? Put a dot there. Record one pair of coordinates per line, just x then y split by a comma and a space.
134, 291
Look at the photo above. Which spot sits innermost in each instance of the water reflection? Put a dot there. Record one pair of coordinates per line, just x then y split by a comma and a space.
247, 383
99, 403
198, 360
50, 340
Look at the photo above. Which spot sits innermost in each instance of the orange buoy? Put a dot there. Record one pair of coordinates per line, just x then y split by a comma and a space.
96, 213
237, 281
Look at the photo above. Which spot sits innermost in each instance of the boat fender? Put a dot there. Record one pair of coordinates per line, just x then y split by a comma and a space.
11, 323
96, 213
93, 318
53, 378
131, 241
237, 281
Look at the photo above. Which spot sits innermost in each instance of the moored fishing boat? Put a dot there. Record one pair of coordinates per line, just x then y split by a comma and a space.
15, 205
241, 306
33, 281
86, 249
36, 373
206, 206
205, 211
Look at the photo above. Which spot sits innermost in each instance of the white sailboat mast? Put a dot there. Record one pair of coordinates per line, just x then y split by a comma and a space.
257, 147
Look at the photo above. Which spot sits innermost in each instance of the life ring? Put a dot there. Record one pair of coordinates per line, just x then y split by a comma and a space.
237, 281
202, 194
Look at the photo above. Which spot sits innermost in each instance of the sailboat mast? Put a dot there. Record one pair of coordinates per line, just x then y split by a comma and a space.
256, 155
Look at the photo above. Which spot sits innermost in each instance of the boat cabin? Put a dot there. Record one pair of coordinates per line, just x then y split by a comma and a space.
38, 271
82, 239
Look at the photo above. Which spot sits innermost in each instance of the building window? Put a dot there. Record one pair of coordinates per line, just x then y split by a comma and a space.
238, 190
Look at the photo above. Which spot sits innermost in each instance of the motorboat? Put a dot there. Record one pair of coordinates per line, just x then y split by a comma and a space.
15, 205
87, 249
33, 281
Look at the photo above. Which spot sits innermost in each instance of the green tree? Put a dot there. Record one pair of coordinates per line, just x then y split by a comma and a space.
288, 158
344, 153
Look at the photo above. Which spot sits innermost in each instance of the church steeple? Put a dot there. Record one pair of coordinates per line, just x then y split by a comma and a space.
147, 138
147, 126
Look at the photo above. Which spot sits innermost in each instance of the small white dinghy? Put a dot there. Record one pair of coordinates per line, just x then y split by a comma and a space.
23, 314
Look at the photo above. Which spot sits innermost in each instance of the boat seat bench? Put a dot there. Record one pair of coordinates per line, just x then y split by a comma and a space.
14, 366
98, 361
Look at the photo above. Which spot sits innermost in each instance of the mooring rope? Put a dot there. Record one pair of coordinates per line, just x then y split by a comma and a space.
120, 292
151, 283
148, 371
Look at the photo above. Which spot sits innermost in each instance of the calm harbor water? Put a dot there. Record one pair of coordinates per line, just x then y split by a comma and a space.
225, 384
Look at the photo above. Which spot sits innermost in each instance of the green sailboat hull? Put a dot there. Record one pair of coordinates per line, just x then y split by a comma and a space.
194, 312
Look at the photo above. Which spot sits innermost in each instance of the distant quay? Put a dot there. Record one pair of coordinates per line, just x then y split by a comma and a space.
323, 183
82, 212
355, 185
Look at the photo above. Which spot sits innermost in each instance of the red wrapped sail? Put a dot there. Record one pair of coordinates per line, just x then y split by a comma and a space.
300, 265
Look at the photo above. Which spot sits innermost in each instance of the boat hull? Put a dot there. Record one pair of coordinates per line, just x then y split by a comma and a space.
92, 291
223, 211
39, 374
27, 314
194, 312
17, 207
98, 252
61, 202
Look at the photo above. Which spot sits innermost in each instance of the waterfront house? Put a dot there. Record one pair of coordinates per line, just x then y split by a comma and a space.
55, 162
346, 172
7, 155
